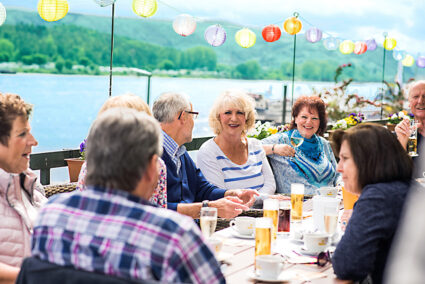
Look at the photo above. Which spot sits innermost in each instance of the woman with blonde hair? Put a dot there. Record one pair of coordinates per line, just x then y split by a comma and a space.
230, 160
159, 196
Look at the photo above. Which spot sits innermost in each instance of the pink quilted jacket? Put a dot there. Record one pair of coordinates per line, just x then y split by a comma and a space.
15, 225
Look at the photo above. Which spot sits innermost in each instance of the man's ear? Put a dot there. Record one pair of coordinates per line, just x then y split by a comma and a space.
152, 169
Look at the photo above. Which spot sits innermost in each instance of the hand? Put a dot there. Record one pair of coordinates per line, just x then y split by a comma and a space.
279, 197
403, 132
228, 207
246, 195
284, 150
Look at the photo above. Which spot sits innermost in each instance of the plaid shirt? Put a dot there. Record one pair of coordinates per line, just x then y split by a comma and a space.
116, 233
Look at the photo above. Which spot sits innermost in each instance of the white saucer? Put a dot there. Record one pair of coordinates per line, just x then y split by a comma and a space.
283, 277
239, 235
304, 250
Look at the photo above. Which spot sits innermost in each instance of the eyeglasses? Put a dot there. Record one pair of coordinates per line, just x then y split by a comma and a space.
194, 113
323, 258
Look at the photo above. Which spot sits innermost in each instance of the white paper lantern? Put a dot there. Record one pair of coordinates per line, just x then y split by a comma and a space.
104, 3
331, 43
215, 35
184, 25
399, 54
2, 14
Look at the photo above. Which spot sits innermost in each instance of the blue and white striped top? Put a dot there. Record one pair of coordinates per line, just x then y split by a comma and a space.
255, 173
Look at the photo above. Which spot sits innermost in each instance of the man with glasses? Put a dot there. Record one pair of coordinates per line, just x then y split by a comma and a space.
187, 188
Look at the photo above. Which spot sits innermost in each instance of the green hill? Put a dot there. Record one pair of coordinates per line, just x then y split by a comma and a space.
152, 44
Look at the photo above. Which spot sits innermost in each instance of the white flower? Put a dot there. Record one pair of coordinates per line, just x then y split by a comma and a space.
401, 114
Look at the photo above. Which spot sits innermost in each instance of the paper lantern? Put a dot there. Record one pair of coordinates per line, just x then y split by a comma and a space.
145, 8
104, 3
52, 10
360, 47
371, 44
215, 35
420, 61
346, 47
390, 43
408, 60
292, 25
271, 33
2, 14
184, 25
399, 54
331, 43
313, 35
245, 38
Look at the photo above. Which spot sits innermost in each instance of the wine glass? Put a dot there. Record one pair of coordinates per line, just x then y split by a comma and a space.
296, 139
208, 221
412, 144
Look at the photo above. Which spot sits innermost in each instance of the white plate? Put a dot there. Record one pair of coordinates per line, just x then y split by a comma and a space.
283, 277
239, 235
304, 250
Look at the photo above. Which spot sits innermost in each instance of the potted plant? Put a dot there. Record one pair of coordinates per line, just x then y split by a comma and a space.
396, 118
75, 164
261, 131
351, 120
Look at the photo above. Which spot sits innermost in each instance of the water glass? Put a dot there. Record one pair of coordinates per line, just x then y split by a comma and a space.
208, 221
271, 210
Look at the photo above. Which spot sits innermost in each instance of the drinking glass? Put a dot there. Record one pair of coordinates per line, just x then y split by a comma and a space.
208, 221
284, 222
330, 219
296, 139
297, 197
412, 144
263, 235
271, 210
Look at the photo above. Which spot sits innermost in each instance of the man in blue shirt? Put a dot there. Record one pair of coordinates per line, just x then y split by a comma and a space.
187, 188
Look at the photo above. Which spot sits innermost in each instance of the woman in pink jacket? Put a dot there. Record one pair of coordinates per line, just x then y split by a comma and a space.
20, 194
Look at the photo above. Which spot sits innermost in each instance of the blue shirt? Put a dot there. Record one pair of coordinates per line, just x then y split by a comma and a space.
116, 233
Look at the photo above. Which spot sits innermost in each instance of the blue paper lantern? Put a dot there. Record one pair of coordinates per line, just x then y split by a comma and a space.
399, 54
331, 43
371, 44
215, 35
313, 35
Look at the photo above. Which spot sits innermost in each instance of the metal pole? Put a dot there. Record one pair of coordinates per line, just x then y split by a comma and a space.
149, 89
285, 88
383, 76
112, 50
293, 69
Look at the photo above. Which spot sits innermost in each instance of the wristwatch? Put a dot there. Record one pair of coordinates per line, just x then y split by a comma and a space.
205, 203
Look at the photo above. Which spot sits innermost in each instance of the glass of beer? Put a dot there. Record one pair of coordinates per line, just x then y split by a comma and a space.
271, 210
284, 222
412, 144
263, 235
208, 221
297, 196
331, 219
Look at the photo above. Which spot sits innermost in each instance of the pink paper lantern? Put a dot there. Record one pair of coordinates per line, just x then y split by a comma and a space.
184, 25
215, 35
313, 35
360, 47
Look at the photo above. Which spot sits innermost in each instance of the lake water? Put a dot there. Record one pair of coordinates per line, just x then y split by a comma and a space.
65, 105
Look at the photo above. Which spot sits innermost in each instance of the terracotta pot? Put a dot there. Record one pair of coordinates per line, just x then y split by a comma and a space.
74, 168
391, 127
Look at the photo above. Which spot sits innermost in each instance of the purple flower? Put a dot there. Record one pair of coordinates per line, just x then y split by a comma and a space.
83, 146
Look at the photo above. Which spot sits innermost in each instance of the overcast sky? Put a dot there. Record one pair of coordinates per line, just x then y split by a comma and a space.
348, 19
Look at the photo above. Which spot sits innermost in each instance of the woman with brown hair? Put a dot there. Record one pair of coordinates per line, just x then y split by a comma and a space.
312, 163
373, 165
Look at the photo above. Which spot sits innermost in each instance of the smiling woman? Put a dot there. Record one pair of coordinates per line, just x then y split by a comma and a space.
20, 194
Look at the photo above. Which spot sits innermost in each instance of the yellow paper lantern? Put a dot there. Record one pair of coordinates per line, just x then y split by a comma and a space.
408, 60
346, 47
245, 38
2, 14
390, 43
145, 8
52, 10
292, 25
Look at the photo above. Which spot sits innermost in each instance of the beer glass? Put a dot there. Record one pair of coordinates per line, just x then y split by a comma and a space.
331, 219
263, 235
271, 210
208, 221
297, 196
284, 220
412, 144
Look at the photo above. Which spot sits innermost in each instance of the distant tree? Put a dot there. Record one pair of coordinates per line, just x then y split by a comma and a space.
6, 48
249, 70
166, 65
4, 57
69, 64
60, 63
84, 61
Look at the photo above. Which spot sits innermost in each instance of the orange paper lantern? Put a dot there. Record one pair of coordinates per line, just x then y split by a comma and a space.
271, 33
292, 25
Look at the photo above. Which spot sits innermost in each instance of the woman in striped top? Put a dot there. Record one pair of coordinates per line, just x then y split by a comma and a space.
230, 160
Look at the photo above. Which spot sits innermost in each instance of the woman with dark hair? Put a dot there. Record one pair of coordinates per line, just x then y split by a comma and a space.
374, 166
313, 162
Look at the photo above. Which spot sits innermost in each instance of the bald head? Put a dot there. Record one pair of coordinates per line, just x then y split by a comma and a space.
417, 99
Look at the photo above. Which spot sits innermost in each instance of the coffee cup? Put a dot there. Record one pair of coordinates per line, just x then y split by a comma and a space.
268, 267
316, 242
215, 245
328, 191
243, 225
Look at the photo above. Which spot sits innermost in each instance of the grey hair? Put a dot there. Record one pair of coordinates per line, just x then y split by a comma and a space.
120, 145
168, 105
413, 84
